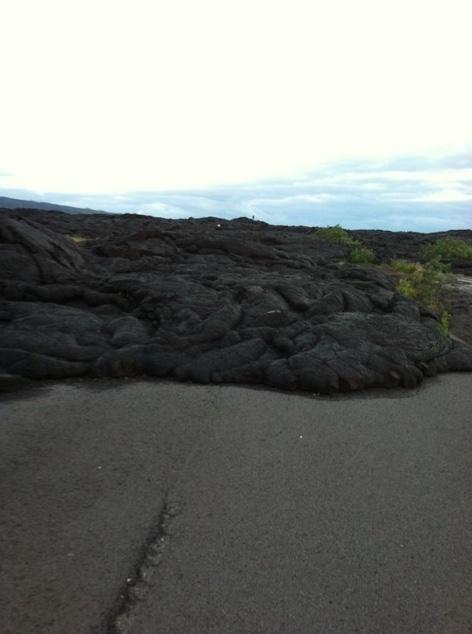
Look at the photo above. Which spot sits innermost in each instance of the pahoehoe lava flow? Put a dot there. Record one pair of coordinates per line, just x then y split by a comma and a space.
210, 301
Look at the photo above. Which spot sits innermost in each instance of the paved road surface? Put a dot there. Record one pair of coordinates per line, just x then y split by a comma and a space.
149, 508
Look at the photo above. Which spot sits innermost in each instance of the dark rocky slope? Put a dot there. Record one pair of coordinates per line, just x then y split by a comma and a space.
34, 205
209, 301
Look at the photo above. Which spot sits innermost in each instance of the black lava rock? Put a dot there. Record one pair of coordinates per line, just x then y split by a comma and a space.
210, 301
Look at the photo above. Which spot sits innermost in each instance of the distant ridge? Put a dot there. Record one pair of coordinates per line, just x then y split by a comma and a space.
18, 203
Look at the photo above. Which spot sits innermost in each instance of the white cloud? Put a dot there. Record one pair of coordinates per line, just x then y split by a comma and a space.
444, 196
121, 95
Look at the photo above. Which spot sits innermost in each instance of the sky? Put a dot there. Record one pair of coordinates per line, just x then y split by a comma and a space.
296, 111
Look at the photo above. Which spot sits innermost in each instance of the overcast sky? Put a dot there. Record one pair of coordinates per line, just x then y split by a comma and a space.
113, 97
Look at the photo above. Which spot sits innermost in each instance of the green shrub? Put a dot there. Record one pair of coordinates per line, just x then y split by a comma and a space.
415, 268
362, 255
77, 238
423, 283
448, 249
407, 288
336, 235
444, 320
402, 266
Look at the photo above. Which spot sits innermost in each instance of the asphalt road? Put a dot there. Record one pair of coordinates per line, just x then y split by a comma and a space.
149, 508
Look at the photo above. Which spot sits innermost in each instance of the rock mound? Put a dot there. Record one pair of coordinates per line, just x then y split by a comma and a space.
211, 301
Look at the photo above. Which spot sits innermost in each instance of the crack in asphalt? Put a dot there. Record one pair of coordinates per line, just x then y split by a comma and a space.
140, 577
120, 617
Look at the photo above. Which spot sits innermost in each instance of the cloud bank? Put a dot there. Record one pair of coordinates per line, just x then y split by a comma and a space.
412, 193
